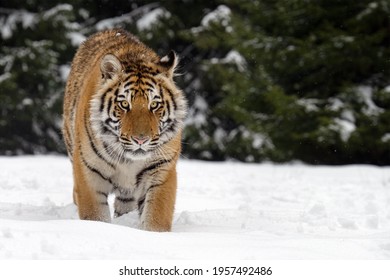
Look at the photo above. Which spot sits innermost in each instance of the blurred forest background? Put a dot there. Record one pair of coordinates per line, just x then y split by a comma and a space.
274, 80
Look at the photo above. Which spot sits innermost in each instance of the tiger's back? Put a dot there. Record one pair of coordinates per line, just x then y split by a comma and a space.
123, 117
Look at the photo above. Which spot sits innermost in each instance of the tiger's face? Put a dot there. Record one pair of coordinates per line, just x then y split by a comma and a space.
137, 108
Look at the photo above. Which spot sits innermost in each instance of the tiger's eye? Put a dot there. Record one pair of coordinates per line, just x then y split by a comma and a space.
124, 104
153, 105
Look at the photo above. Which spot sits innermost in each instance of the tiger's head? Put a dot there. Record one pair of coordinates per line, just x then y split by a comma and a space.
137, 107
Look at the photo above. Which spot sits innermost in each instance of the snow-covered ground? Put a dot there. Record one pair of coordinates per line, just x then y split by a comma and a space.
224, 211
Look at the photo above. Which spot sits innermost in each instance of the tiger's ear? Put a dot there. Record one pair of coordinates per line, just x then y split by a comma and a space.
168, 64
110, 66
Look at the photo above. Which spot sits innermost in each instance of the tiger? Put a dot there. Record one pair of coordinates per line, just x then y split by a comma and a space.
123, 118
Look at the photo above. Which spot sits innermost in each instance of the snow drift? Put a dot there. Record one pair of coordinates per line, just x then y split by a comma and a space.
224, 211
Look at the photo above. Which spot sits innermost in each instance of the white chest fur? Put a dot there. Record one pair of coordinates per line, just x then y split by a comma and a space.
125, 175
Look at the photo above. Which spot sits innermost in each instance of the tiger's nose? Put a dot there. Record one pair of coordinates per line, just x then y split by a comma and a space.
140, 139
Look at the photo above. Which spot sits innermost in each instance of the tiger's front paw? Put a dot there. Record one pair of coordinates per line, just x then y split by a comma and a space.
156, 226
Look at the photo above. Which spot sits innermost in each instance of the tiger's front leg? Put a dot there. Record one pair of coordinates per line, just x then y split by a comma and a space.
90, 199
157, 207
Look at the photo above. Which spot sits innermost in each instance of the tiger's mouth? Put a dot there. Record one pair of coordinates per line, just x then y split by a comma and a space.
137, 153
140, 152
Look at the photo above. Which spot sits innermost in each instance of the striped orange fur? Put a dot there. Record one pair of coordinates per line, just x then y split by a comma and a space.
123, 120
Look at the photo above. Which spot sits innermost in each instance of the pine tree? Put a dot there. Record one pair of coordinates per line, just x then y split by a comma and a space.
329, 57
34, 52
269, 79
314, 85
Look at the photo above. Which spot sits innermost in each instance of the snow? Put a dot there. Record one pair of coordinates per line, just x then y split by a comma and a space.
4, 77
335, 104
346, 124
225, 210
341, 41
371, 8
151, 18
144, 17
386, 137
346, 129
9, 24
76, 38
260, 141
310, 104
197, 112
233, 57
220, 137
56, 10
64, 71
221, 14
365, 94
114, 22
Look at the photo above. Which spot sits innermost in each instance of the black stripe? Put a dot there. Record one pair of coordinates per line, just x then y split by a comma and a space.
150, 168
152, 187
141, 205
141, 81
168, 108
149, 84
103, 98
106, 129
102, 193
108, 126
94, 170
154, 142
91, 142
110, 150
104, 203
171, 127
145, 75
125, 199
109, 105
127, 82
129, 70
141, 202
117, 214
107, 148
115, 122
173, 99
152, 78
